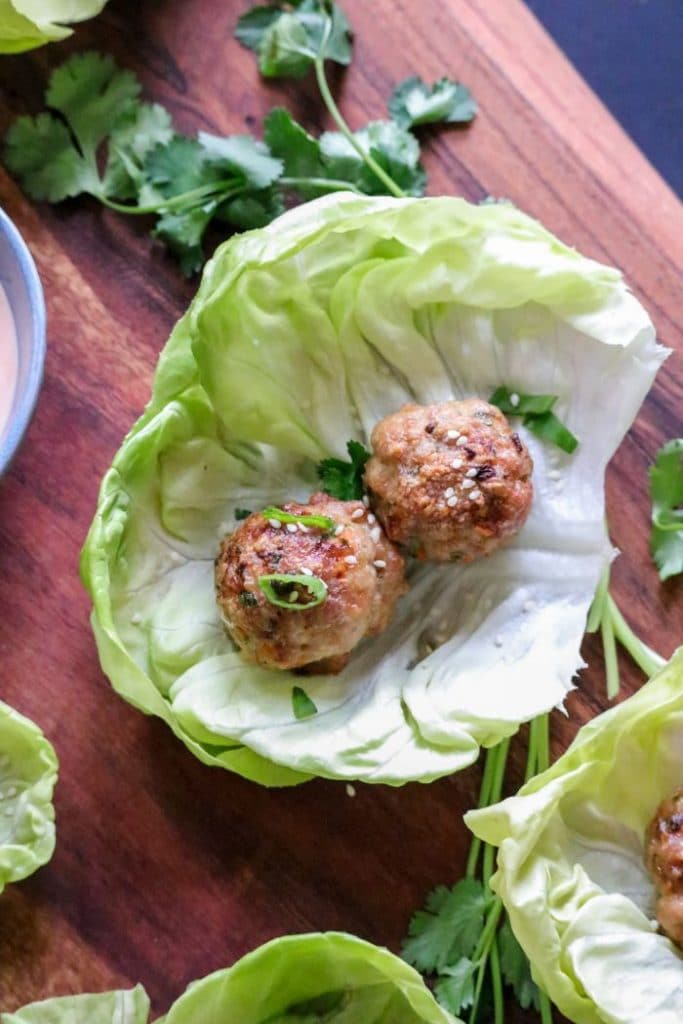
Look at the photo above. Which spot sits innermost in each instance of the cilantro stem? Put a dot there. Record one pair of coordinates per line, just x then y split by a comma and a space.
328, 98
645, 658
496, 984
329, 184
545, 1006
484, 801
482, 953
597, 609
216, 190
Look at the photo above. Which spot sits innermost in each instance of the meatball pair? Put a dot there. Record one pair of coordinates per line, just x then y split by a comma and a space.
300, 586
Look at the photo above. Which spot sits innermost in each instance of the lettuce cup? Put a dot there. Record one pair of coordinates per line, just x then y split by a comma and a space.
330, 978
577, 871
28, 772
303, 337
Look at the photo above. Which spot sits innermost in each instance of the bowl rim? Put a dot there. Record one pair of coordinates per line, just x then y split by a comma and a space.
27, 399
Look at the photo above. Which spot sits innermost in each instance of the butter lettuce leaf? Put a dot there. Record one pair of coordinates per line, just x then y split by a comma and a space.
26, 24
330, 978
302, 336
571, 866
28, 772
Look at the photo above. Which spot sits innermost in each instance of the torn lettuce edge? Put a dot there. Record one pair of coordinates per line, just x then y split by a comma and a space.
28, 773
279, 982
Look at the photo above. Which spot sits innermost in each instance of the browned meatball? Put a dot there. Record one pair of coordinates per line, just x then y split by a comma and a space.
451, 482
664, 858
362, 577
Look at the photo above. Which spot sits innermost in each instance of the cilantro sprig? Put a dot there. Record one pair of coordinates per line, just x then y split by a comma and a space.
462, 939
344, 480
666, 491
98, 138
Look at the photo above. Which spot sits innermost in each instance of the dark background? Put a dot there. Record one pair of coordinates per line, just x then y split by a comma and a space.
631, 53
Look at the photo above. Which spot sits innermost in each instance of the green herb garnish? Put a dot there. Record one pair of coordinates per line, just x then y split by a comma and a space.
96, 137
293, 592
666, 490
344, 480
314, 521
537, 415
413, 103
242, 513
302, 705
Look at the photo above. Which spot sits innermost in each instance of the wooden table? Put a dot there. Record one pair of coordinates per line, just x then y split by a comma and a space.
166, 869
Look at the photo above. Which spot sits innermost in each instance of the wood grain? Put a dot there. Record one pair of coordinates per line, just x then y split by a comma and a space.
165, 869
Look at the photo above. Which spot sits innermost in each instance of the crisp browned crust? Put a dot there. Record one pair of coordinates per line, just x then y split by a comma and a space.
363, 571
450, 482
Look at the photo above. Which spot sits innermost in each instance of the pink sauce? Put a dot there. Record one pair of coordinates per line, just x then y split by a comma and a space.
8, 360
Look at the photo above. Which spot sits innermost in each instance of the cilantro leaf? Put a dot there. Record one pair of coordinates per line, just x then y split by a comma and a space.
183, 232
40, 152
147, 126
288, 37
515, 967
252, 26
242, 156
666, 490
302, 705
287, 140
448, 928
344, 480
93, 95
455, 987
286, 51
253, 210
394, 149
414, 103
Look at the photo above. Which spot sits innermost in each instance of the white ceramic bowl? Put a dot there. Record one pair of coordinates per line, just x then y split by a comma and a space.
19, 278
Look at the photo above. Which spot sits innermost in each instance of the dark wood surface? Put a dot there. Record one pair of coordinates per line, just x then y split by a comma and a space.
166, 869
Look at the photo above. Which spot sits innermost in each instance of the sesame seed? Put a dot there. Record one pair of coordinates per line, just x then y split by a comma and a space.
449, 492
457, 463
306, 571
471, 473
462, 441
136, 619
366, 500
379, 563
303, 528
473, 495
275, 523
528, 606
499, 641
350, 790
293, 596
375, 534
452, 501
452, 435
514, 399
467, 484
291, 528
371, 519
351, 560
177, 558
555, 474
358, 513
340, 529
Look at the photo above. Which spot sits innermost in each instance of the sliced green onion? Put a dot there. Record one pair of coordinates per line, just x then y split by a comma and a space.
538, 416
549, 428
279, 587
317, 522
514, 404
302, 705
